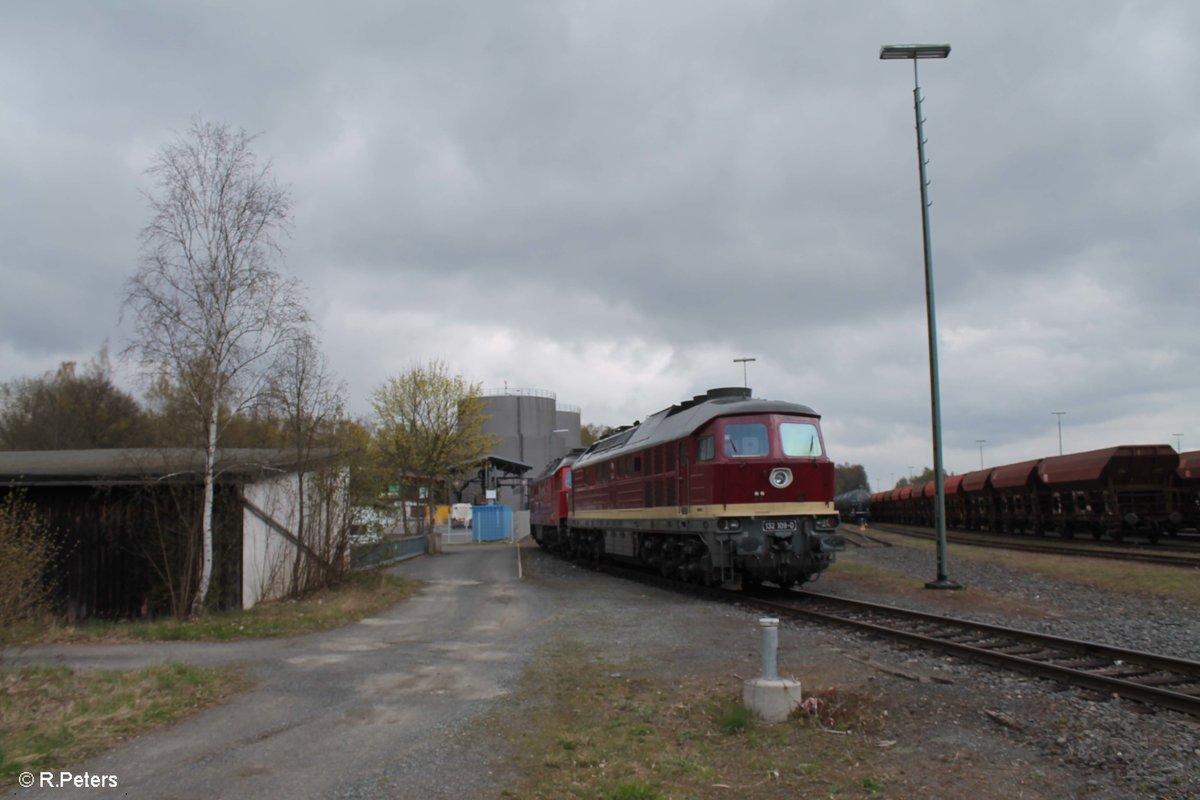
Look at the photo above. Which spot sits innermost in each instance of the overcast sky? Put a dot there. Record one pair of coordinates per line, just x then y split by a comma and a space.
613, 200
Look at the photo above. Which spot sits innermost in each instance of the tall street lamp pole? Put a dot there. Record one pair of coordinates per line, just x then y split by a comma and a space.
1178, 442
916, 52
743, 361
980, 442
1059, 414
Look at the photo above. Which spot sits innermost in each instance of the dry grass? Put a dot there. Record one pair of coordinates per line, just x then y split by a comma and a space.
362, 595
53, 717
624, 732
1181, 584
905, 590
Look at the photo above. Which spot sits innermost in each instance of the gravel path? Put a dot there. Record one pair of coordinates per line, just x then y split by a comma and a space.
371, 710
404, 705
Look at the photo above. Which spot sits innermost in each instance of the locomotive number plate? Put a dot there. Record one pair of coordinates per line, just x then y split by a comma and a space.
781, 525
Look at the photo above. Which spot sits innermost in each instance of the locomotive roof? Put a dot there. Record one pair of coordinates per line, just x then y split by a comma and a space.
685, 418
555, 463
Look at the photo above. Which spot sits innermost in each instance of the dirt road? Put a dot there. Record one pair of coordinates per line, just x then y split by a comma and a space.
365, 711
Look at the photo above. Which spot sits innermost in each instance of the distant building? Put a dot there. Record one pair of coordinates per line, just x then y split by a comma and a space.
533, 430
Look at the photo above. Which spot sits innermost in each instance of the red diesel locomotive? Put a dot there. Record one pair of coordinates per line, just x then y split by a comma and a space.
720, 489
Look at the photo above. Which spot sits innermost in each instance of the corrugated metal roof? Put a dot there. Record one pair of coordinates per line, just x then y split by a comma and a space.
1012, 476
975, 481
1090, 466
92, 467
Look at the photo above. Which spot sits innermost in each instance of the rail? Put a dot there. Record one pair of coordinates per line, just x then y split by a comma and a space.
1146, 677
1173, 555
1157, 680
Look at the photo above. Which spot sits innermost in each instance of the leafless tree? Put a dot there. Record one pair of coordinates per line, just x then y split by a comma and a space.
310, 405
212, 313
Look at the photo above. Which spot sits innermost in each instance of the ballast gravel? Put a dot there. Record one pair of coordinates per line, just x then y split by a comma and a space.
978, 731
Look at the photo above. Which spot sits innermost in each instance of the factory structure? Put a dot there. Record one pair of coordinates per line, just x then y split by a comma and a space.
533, 429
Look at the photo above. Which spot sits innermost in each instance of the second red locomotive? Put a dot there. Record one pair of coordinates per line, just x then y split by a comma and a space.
723, 488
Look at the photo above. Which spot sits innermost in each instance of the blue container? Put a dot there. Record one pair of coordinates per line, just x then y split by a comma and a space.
491, 523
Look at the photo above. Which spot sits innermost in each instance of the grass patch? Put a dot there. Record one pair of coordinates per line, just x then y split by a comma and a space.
53, 717
362, 595
605, 731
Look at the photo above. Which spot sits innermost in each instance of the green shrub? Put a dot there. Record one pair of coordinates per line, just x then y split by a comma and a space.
639, 790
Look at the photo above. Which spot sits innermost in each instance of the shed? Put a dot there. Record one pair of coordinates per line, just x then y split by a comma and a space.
130, 523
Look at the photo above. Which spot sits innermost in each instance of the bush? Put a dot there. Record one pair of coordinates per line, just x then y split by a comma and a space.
27, 551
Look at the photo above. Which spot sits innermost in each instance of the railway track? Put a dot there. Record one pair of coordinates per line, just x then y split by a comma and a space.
1177, 555
1163, 681
1155, 680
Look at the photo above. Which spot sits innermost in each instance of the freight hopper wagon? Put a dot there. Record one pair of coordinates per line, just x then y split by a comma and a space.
1188, 481
720, 489
1129, 490
1126, 490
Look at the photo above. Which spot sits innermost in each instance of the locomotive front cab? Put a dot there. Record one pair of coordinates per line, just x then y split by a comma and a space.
770, 485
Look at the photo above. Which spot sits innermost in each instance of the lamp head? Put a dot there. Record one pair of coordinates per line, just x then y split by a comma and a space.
898, 51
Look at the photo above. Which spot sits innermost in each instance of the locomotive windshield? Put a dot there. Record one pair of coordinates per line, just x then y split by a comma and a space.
800, 439
746, 439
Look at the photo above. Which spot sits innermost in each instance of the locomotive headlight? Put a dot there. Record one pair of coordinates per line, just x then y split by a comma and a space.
781, 477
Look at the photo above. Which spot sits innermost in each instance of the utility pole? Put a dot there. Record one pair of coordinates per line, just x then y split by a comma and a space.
1059, 414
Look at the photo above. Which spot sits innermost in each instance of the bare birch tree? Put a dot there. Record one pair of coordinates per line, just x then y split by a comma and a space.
212, 314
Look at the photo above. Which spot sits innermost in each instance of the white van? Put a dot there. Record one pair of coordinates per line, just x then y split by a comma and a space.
460, 515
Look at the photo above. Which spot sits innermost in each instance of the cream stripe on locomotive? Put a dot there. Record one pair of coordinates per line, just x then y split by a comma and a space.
694, 512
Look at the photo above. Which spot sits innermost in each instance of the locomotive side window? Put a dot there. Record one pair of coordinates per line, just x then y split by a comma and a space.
746, 439
800, 439
706, 449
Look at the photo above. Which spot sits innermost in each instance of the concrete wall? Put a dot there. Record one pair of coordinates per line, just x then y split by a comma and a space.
268, 555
